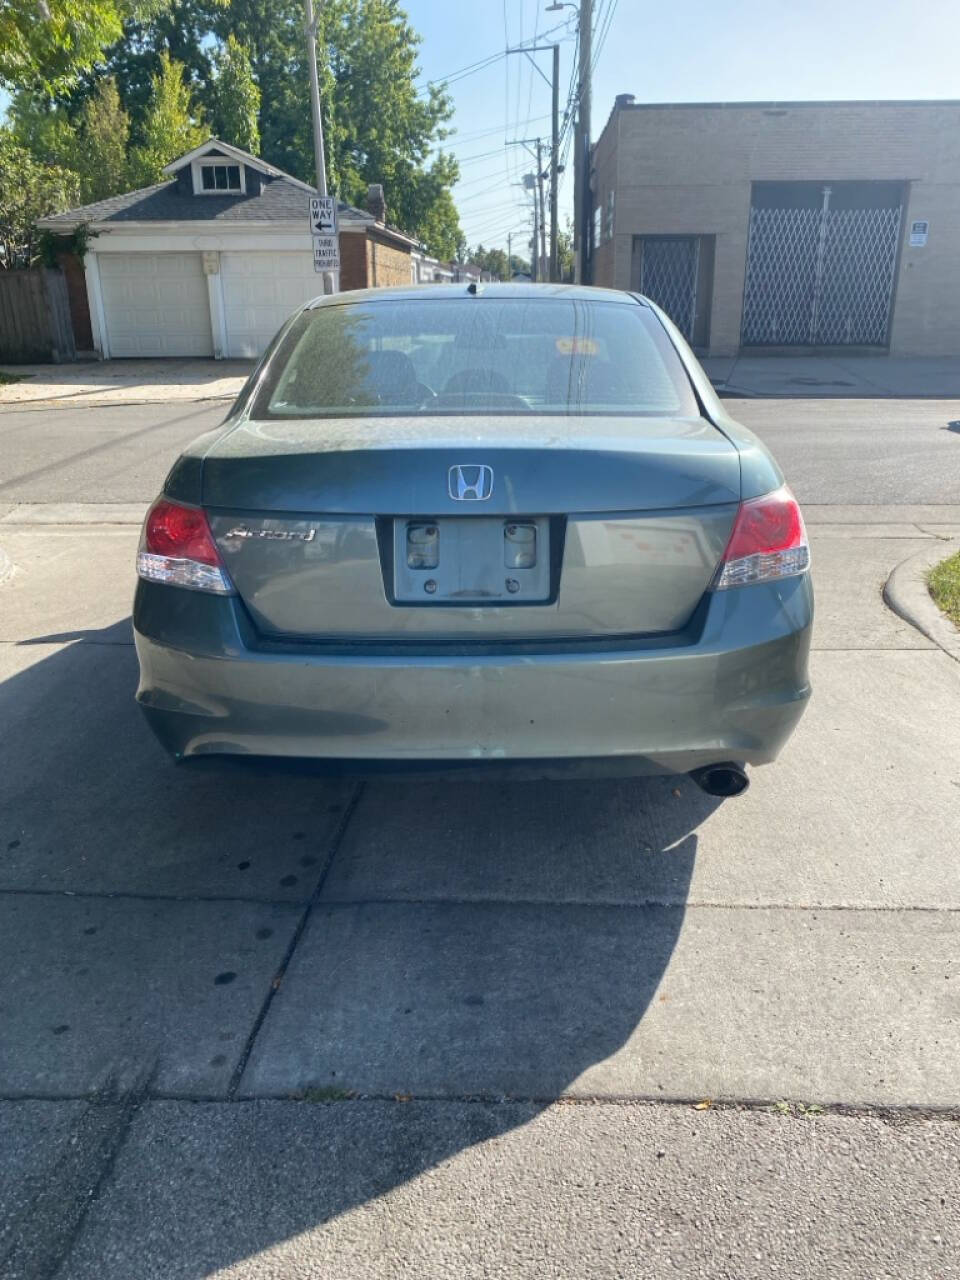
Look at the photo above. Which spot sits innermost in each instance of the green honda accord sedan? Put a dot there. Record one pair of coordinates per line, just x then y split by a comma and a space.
504, 523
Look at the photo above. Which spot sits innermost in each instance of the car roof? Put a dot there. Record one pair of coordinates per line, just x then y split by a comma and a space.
420, 292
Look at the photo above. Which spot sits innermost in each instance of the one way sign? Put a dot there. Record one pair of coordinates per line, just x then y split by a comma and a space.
323, 216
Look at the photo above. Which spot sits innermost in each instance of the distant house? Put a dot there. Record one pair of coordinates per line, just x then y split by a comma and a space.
213, 260
427, 270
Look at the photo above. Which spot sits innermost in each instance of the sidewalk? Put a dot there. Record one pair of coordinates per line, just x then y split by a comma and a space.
103, 382
826, 377
795, 377
455, 1029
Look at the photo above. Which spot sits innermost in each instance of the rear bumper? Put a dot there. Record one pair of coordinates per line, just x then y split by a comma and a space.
731, 687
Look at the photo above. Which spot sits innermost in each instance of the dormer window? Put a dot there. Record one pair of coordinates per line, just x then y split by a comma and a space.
220, 177
217, 177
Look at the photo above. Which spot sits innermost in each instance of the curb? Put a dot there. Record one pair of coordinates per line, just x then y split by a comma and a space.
75, 402
45, 514
906, 593
744, 393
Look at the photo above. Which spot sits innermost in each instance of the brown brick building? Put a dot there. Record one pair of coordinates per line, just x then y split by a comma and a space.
374, 257
786, 225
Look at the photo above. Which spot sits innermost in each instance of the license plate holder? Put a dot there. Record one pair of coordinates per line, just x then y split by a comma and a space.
471, 560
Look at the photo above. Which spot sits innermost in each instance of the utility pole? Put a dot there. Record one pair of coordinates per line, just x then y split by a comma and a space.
542, 248
581, 199
329, 285
509, 255
535, 244
555, 168
555, 148
534, 184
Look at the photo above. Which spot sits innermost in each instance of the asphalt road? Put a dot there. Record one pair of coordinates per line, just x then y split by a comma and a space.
115, 454
833, 451
266, 1025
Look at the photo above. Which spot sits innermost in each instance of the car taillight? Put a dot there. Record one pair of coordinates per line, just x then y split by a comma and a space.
768, 542
177, 548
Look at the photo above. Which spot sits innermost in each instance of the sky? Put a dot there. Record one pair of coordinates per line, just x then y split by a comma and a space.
682, 51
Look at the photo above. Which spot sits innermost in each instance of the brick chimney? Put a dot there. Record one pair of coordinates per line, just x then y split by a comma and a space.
376, 204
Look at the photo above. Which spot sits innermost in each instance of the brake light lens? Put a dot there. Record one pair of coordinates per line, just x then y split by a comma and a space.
177, 548
768, 541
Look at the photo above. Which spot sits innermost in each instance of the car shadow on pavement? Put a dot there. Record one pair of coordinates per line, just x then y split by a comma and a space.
254, 934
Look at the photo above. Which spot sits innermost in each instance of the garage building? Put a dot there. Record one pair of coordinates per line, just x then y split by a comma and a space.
786, 225
213, 260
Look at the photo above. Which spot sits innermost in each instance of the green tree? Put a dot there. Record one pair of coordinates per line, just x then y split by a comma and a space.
272, 33
46, 44
495, 261
172, 124
383, 128
427, 207
492, 260
94, 144
103, 145
29, 190
233, 99
565, 252
378, 127
183, 29
43, 128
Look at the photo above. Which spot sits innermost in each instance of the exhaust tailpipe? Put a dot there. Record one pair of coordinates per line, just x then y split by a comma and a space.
721, 780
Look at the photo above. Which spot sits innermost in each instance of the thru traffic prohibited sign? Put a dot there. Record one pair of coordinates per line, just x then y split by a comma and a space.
323, 216
326, 253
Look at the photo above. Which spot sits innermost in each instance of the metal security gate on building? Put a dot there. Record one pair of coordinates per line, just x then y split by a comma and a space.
820, 264
676, 272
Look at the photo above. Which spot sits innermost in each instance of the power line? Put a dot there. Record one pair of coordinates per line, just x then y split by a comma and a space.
481, 155
462, 72
473, 67
536, 30
472, 182
497, 213
494, 208
602, 34
506, 92
486, 133
521, 235
491, 225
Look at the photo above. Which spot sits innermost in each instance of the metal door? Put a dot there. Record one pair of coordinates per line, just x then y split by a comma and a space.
820, 275
669, 268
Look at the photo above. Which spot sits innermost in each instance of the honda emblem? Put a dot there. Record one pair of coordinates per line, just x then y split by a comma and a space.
473, 483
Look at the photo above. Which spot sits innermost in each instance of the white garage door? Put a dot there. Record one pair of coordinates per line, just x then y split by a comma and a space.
259, 292
155, 304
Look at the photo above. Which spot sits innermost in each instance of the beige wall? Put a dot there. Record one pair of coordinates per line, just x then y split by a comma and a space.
689, 170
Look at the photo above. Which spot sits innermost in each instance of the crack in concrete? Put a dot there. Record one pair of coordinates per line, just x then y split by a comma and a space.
335, 844
666, 902
38, 1243
898, 1112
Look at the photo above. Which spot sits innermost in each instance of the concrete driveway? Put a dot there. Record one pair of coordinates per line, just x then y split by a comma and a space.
260, 1024
115, 382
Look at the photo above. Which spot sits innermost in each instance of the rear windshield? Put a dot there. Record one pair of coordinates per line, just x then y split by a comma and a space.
475, 355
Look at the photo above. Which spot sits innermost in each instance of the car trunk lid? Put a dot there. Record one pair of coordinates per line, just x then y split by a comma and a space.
625, 517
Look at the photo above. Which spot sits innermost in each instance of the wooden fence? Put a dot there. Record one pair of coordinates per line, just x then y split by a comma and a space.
35, 317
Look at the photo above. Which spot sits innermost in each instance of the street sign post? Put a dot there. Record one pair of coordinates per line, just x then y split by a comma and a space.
323, 229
